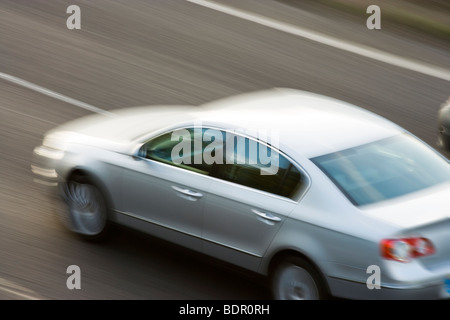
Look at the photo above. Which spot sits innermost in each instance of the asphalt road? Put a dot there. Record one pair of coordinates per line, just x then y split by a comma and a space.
134, 52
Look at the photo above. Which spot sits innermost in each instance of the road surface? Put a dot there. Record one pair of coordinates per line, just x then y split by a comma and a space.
136, 52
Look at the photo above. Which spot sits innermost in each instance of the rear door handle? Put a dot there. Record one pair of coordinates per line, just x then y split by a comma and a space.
187, 192
267, 216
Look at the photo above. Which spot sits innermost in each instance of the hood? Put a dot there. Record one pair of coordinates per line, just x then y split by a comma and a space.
120, 127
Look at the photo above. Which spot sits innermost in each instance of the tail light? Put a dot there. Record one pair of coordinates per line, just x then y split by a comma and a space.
405, 249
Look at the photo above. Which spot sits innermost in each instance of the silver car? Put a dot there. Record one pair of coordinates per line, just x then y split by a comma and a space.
323, 197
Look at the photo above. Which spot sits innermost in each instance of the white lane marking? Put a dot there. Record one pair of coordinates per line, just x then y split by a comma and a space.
365, 51
19, 294
12, 288
53, 94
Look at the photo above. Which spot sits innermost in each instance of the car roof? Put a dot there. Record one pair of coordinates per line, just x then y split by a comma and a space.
305, 123
299, 123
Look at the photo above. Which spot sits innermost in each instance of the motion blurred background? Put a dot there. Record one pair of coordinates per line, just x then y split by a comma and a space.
136, 52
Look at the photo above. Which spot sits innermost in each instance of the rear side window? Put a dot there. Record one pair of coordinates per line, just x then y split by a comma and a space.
278, 176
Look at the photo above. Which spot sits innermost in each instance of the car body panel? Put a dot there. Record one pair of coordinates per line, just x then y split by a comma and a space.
153, 192
234, 225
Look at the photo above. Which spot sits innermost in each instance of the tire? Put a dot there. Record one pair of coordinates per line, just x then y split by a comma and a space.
296, 279
87, 209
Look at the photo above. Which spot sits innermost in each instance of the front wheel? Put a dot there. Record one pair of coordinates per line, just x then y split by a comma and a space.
87, 208
296, 279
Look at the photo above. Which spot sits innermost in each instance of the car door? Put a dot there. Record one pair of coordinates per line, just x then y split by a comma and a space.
166, 191
245, 208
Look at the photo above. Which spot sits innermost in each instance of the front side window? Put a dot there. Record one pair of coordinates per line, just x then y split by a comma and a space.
384, 169
178, 148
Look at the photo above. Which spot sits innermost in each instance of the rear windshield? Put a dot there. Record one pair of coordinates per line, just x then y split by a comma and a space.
384, 169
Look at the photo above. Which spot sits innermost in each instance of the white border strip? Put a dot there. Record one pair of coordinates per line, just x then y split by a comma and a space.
53, 94
368, 52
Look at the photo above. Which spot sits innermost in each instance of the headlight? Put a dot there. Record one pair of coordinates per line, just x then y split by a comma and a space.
58, 140
46, 157
50, 153
54, 145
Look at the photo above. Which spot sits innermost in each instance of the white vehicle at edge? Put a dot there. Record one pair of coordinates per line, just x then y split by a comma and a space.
351, 190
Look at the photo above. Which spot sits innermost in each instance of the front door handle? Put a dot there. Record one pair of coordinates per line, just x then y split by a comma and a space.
187, 192
267, 216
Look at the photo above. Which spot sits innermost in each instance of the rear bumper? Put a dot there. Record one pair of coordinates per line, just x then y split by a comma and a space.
435, 290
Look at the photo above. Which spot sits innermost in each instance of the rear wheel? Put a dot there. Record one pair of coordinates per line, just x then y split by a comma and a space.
87, 208
296, 279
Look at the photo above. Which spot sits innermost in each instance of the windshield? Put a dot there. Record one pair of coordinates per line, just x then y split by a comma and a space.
384, 169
